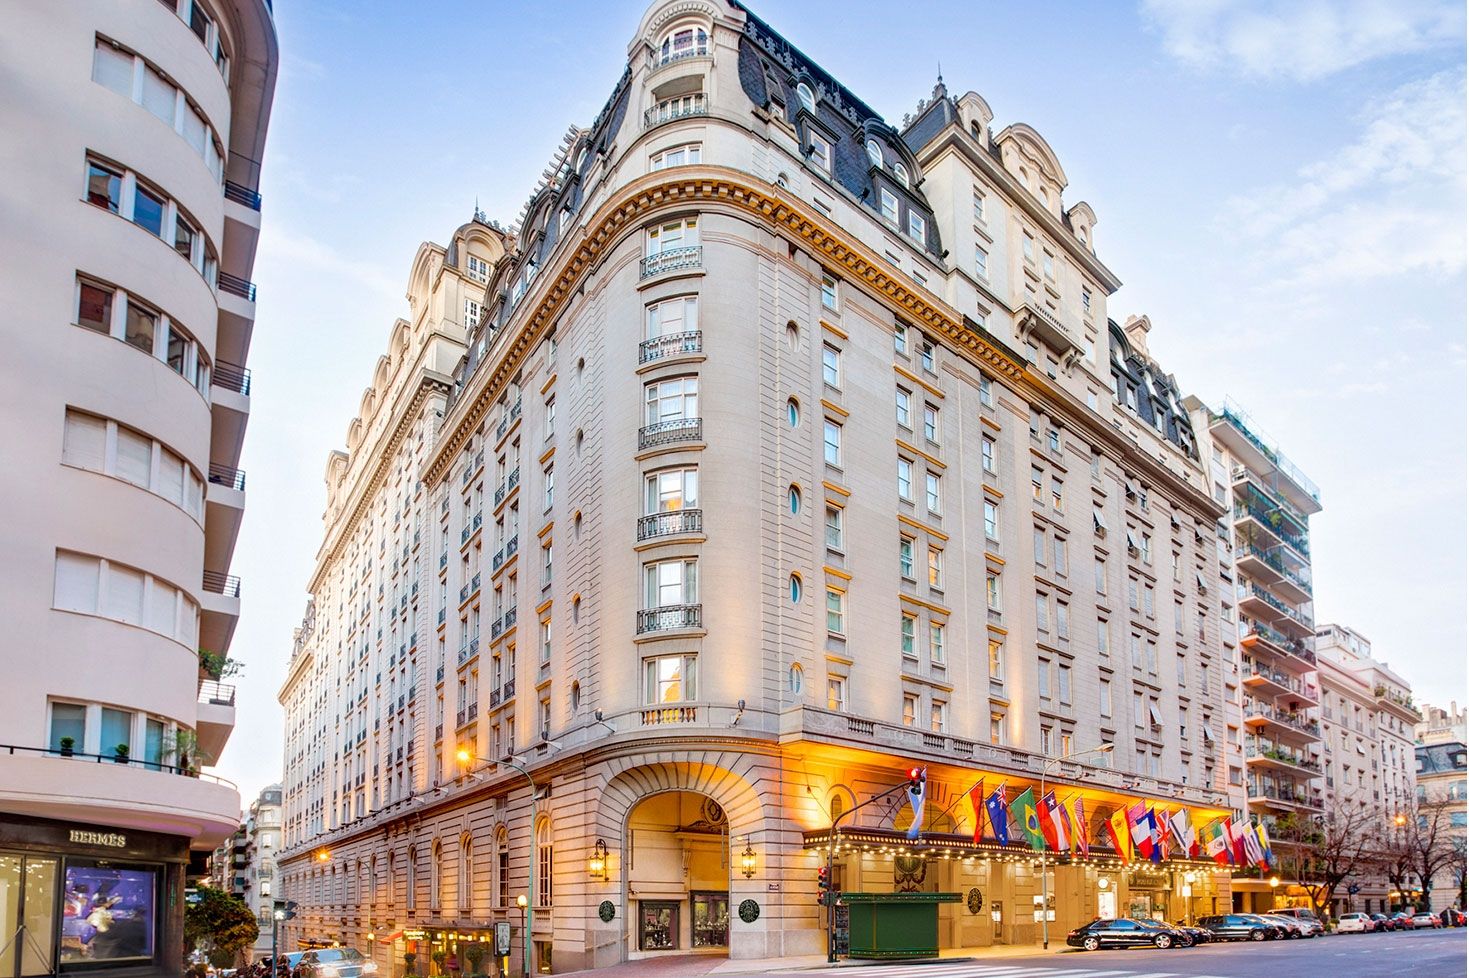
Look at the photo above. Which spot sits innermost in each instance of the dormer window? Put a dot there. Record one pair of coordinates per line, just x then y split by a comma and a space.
821, 152
807, 97
684, 42
874, 153
900, 173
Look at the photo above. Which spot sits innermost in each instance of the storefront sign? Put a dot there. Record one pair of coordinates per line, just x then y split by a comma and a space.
749, 911
414, 935
502, 938
114, 840
606, 910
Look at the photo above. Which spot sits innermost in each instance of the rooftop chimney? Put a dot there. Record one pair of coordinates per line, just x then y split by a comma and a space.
1136, 330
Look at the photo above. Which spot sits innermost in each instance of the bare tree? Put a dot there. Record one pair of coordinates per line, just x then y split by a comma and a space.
1321, 852
1432, 842
1394, 855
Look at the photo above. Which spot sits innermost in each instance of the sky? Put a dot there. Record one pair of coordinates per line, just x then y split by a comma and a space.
1280, 185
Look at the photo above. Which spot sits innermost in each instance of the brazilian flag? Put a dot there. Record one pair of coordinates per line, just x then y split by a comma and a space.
1024, 811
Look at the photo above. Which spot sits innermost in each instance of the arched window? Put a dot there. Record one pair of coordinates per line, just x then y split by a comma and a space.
544, 863
874, 153
392, 880
502, 867
807, 97
412, 897
683, 42
900, 172
466, 876
436, 876
373, 893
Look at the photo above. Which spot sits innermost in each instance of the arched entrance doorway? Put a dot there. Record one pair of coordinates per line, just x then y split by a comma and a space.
677, 870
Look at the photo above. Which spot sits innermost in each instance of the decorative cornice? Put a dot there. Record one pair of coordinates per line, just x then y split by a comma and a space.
728, 188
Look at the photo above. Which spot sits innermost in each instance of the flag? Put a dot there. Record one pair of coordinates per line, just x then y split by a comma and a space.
1117, 830
916, 800
1254, 853
1043, 815
1183, 833
999, 818
1155, 841
1216, 842
1079, 838
1237, 831
976, 799
1265, 844
1024, 810
1142, 835
1058, 837
1164, 842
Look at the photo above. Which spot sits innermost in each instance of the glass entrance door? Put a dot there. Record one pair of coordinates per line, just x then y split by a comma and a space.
711, 919
657, 925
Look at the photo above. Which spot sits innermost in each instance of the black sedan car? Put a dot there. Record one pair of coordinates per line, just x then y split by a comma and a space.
1240, 927
1126, 932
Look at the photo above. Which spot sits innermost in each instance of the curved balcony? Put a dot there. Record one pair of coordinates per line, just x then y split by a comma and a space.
671, 345
679, 522
682, 107
671, 260
670, 618
675, 431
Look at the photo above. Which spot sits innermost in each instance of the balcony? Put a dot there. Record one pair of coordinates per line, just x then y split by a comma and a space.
669, 345
1243, 476
662, 715
508, 692
1243, 440
1284, 795
1274, 527
1398, 703
1258, 636
1267, 566
674, 431
1265, 682
241, 194
235, 285
511, 416
679, 522
676, 108
672, 260
214, 716
1297, 726
223, 475
219, 606
508, 486
1258, 601
469, 531
672, 617
1048, 328
1277, 759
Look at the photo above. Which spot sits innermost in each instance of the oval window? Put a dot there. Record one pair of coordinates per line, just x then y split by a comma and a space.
793, 412
795, 499
795, 589
797, 678
807, 97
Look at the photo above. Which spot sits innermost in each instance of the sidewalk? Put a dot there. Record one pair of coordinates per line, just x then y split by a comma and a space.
698, 965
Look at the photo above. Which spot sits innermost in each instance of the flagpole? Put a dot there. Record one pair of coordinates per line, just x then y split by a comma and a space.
1045, 878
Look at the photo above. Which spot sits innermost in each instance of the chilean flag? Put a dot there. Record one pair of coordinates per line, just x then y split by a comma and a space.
1142, 832
1053, 823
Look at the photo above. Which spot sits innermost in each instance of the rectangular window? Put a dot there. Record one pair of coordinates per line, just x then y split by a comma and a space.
981, 262
903, 402
905, 557
1027, 246
932, 492
1043, 679
997, 659
671, 582
676, 156
836, 693
1037, 483
672, 490
986, 392
1058, 554
997, 728
991, 520
821, 152
1056, 494
987, 454
1104, 637
672, 400
546, 640
831, 366
550, 487
84, 441
104, 186
1038, 537
1046, 740
936, 642
910, 709
979, 209
1048, 263
900, 339
836, 611
832, 442
670, 679
68, 720
673, 317
905, 479
935, 568
931, 422
926, 355
1104, 697
1042, 613
917, 227
889, 204
94, 307
140, 325
479, 269
833, 528
992, 590
148, 210
938, 715
1101, 575
907, 627
471, 314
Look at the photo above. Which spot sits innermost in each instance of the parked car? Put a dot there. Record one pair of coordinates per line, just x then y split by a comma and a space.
1191, 935
1238, 927
1278, 929
332, 962
1200, 935
1125, 932
1381, 922
1294, 926
1355, 923
1402, 920
1304, 915
1425, 919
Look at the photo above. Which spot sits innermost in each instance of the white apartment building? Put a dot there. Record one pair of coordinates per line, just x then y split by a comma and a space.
790, 449
1266, 533
134, 134
1367, 760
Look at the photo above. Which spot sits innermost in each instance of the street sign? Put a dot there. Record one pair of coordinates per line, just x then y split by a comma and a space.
1353, 889
502, 938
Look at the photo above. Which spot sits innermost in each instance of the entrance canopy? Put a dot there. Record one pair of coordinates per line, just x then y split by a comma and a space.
940, 845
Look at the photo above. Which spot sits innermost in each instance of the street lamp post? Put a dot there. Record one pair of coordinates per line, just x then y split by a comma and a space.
527, 904
1045, 878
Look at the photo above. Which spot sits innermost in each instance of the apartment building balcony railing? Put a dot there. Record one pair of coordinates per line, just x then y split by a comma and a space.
494, 697
672, 523
218, 694
241, 194
444, 506
669, 344
474, 524
670, 618
438, 731
439, 675
459, 718
1274, 682
509, 691
1240, 421
679, 54
676, 108
1275, 527
235, 285
1393, 698
510, 418
223, 475
1295, 721
1254, 752
1271, 560
1242, 475
443, 614
671, 260
231, 377
226, 584
497, 628
671, 432
1253, 592
140, 763
657, 716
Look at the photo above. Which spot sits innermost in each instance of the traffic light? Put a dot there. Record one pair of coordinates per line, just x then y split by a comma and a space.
823, 885
916, 777
285, 909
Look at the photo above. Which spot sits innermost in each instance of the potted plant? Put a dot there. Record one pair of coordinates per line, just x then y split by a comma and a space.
120, 753
67, 743
439, 957
409, 960
474, 954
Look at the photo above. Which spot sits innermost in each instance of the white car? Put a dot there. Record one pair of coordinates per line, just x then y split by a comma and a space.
1295, 927
1353, 923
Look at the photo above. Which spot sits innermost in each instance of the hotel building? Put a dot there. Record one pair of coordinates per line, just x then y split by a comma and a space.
1367, 721
785, 450
1442, 781
134, 134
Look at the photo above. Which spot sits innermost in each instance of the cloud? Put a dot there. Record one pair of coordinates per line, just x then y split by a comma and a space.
1302, 40
291, 249
1389, 203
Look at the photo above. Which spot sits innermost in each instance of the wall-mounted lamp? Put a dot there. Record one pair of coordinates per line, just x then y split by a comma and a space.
1103, 883
747, 860
597, 864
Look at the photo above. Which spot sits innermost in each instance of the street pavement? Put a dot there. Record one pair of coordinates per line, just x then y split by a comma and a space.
1421, 954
